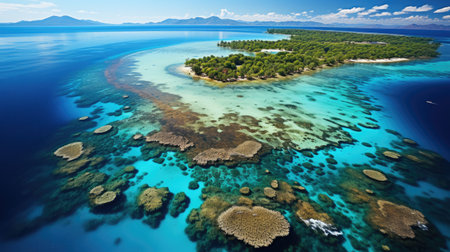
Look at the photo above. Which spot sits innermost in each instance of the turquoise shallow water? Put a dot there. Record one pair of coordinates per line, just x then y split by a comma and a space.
318, 112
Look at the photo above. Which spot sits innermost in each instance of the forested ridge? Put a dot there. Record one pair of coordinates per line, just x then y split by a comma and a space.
307, 49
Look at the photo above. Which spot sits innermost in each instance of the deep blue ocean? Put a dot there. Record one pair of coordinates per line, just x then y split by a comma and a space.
36, 62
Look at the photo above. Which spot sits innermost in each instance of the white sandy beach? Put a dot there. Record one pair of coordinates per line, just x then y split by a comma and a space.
391, 60
272, 50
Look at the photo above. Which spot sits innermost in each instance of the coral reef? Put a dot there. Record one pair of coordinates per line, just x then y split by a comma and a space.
96, 191
70, 151
392, 155
245, 190
369, 125
375, 175
396, 219
169, 138
246, 149
244, 201
203, 227
270, 192
212, 207
299, 188
414, 158
137, 136
212, 155
284, 193
326, 200
274, 184
130, 169
257, 226
103, 129
105, 198
152, 199
315, 220
409, 141
153, 202
305, 211
72, 167
179, 204
193, 185
84, 180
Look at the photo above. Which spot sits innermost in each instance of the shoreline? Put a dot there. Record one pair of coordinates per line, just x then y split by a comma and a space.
243, 81
188, 71
388, 60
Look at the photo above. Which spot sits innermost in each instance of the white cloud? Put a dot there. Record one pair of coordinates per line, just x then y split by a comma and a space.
347, 16
382, 14
225, 12
446, 17
381, 7
13, 6
374, 9
338, 16
442, 10
270, 16
387, 19
423, 8
407, 9
416, 19
353, 10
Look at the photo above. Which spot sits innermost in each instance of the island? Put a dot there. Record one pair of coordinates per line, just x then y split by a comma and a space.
307, 50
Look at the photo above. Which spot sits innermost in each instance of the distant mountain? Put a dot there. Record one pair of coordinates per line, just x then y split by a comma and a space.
426, 27
218, 21
57, 21
213, 20
199, 21
286, 23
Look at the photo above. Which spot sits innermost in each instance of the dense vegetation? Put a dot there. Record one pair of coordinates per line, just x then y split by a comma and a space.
307, 49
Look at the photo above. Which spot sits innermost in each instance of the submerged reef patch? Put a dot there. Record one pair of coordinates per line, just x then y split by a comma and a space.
246, 149
375, 175
256, 226
70, 151
152, 199
397, 219
103, 129
168, 138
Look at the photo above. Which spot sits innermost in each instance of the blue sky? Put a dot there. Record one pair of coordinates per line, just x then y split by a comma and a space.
325, 11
